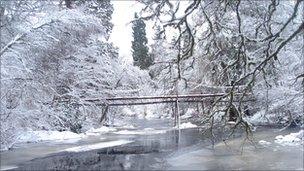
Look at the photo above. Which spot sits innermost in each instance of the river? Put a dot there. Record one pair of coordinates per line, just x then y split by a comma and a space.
159, 148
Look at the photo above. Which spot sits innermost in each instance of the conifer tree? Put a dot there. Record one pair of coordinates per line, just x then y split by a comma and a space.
140, 54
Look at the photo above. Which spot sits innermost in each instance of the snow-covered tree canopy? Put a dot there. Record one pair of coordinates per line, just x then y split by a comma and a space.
53, 59
246, 45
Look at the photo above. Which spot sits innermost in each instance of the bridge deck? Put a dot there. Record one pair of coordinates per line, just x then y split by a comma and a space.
143, 100
148, 100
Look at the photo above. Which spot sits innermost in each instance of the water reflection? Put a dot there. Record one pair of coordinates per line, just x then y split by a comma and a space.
145, 153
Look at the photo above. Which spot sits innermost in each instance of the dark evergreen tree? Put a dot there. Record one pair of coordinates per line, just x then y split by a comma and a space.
141, 57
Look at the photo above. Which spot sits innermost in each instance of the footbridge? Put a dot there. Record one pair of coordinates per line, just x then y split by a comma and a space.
174, 99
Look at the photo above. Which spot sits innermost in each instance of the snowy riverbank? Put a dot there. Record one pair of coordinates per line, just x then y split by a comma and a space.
34, 136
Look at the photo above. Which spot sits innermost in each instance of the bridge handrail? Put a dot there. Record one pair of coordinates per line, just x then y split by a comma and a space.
163, 97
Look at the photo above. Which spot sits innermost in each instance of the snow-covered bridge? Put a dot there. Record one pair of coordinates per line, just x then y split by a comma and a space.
222, 98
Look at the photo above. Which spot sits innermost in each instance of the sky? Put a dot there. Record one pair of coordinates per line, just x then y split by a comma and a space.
122, 31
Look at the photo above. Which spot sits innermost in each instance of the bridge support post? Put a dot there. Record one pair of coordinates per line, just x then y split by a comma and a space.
178, 115
175, 113
203, 108
104, 113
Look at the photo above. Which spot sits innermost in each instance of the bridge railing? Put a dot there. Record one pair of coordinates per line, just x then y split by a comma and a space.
148, 100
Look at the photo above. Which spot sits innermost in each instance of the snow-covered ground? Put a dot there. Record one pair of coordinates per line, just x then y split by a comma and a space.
127, 126
189, 113
8, 167
150, 131
97, 146
36, 136
146, 131
291, 139
128, 112
70, 137
101, 130
187, 125
64, 136
258, 118
265, 143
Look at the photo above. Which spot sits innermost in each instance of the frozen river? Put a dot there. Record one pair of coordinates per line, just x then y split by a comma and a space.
155, 145
237, 155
